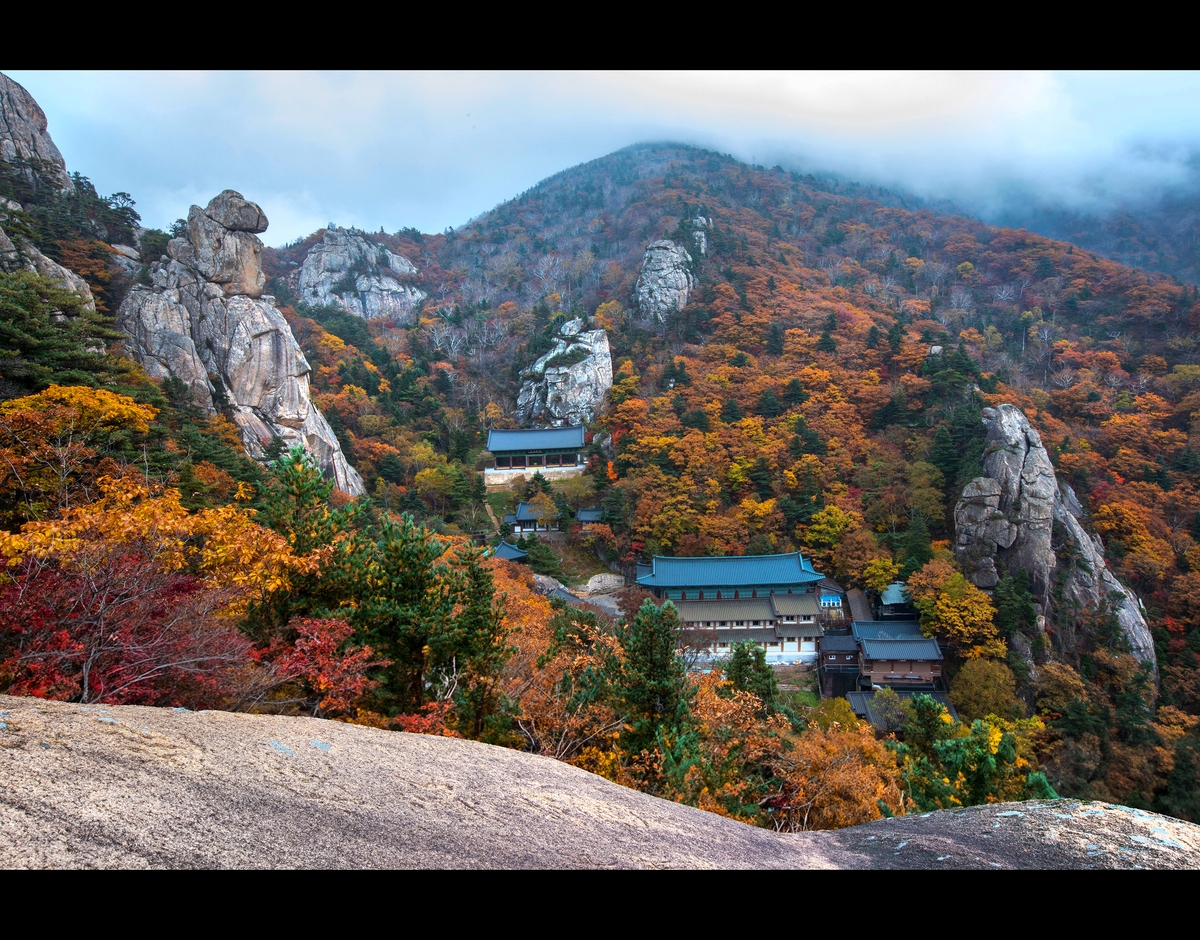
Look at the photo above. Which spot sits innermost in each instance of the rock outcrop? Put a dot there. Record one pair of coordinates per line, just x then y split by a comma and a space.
136, 787
23, 254
1017, 516
664, 281
573, 393
207, 323
699, 233
24, 139
346, 269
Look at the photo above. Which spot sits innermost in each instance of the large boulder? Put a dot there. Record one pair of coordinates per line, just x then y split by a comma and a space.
137, 787
346, 269
1011, 518
25, 140
571, 393
664, 281
206, 322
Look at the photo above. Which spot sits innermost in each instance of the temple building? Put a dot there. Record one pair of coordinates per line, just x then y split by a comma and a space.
729, 576
786, 626
516, 454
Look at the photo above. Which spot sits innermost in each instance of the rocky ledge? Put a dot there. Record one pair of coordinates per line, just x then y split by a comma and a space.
664, 281
106, 787
1012, 518
206, 322
571, 393
346, 269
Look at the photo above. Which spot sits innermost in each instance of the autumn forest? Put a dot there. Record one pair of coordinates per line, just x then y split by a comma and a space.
822, 390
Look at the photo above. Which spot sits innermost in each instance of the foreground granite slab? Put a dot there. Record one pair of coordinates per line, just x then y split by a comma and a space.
134, 787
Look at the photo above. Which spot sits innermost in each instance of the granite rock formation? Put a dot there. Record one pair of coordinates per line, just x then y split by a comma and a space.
559, 395
346, 269
1017, 516
664, 281
135, 787
24, 138
206, 322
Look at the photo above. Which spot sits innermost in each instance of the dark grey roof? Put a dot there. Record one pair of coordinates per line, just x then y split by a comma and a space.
828, 584
588, 515
525, 514
510, 552
887, 629
795, 605
862, 702
925, 650
839, 644
728, 571
510, 518
741, 608
534, 439
860, 609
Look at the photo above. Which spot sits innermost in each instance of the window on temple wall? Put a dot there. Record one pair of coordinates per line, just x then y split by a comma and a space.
552, 460
502, 462
535, 461
518, 461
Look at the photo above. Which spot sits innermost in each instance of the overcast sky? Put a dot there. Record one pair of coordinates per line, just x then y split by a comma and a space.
431, 150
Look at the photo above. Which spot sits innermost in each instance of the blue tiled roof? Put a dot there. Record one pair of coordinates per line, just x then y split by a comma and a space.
523, 514
510, 552
926, 650
588, 515
894, 593
528, 439
728, 571
887, 629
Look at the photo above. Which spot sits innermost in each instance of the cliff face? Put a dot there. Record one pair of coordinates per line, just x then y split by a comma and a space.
567, 394
1017, 516
207, 323
665, 280
24, 138
347, 270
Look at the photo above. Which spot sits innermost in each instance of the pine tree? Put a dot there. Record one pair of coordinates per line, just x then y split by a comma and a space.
731, 411
768, 405
794, 394
944, 455
774, 340
916, 545
653, 692
749, 671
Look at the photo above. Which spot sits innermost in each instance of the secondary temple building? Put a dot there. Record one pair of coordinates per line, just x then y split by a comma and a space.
772, 601
518, 453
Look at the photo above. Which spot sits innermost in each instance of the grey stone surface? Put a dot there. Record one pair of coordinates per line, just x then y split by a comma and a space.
132, 787
232, 211
664, 281
1005, 521
346, 269
24, 135
567, 395
206, 322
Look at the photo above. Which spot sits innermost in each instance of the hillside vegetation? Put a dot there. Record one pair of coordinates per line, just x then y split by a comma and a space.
796, 401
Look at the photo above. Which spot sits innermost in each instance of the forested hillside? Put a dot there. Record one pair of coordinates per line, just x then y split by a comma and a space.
822, 389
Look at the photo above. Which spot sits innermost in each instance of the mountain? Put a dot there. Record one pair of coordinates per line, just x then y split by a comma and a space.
795, 364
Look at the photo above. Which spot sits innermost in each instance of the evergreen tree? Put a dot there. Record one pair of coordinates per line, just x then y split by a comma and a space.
944, 455
768, 405
1014, 605
794, 394
731, 411
749, 671
405, 602
916, 545
476, 646
827, 344
653, 692
774, 340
